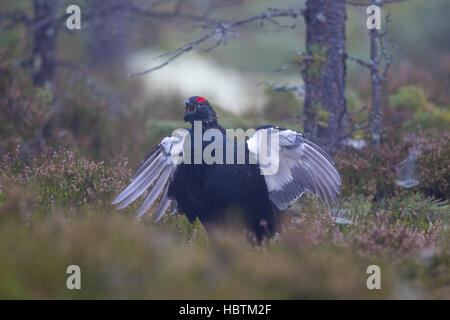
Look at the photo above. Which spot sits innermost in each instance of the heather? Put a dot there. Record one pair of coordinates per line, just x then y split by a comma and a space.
54, 212
68, 147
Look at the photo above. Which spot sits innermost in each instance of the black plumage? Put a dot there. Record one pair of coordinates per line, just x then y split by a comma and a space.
210, 191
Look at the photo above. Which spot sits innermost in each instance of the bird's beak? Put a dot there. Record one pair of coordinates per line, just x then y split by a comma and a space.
190, 107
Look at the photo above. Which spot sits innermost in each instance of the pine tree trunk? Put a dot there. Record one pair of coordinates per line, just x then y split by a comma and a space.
44, 41
376, 115
109, 36
325, 73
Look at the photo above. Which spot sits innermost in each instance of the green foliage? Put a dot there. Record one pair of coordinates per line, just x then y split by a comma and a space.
358, 206
231, 120
282, 110
410, 98
193, 234
354, 102
313, 62
11, 42
282, 106
162, 128
43, 96
322, 115
430, 121
354, 108
318, 55
416, 209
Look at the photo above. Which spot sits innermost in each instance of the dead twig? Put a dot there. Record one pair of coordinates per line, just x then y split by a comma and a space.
221, 31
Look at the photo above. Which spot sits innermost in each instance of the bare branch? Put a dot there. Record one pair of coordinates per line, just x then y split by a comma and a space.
363, 108
215, 45
363, 63
387, 47
221, 31
173, 55
280, 88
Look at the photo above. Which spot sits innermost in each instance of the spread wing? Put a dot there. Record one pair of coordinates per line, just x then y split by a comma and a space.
301, 166
156, 169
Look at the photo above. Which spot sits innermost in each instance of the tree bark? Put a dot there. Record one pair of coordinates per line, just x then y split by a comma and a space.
325, 73
109, 37
44, 41
376, 115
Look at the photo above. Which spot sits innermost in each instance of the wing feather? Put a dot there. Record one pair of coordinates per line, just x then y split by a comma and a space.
155, 172
163, 205
149, 158
303, 166
140, 184
154, 192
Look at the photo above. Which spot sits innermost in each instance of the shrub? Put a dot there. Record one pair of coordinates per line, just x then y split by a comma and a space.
24, 111
383, 236
312, 258
381, 233
434, 165
63, 181
63, 178
282, 106
416, 209
74, 114
372, 171
432, 121
410, 98
91, 122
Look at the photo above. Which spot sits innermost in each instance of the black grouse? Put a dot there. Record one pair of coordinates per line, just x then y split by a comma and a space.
237, 176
